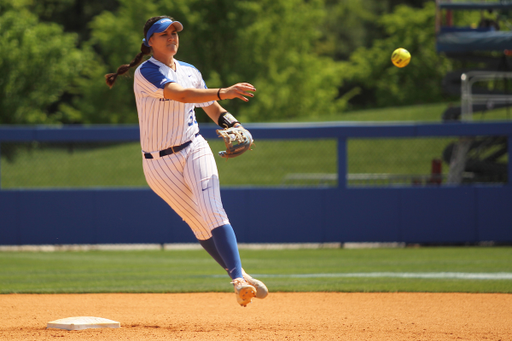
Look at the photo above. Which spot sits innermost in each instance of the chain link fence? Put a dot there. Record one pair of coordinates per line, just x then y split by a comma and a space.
271, 163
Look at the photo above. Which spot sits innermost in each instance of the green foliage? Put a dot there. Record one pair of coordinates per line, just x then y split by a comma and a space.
308, 59
72, 15
9, 5
117, 39
350, 22
293, 81
419, 82
267, 43
38, 63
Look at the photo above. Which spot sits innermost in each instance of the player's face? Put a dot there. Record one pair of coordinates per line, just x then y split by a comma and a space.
166, 42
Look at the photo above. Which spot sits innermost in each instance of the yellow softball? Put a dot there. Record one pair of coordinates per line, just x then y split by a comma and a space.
400, 57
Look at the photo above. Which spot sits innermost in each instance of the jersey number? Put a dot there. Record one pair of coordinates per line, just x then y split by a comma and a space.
192, 119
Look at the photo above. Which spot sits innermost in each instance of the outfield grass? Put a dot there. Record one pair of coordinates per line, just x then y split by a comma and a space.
49, 167
120, 165
416, 113
195, 271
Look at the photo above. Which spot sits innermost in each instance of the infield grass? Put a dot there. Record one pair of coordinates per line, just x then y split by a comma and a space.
195, 271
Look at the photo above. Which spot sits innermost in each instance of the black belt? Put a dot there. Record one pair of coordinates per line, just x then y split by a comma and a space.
170, 150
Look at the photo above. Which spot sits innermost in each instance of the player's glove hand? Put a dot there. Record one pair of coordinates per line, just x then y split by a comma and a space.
237, 140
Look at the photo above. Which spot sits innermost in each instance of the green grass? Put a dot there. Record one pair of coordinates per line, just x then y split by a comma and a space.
120, 165
47, 166
417, 113
195, 271
395, 156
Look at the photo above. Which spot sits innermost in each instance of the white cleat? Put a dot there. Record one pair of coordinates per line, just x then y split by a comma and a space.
244, 291
261, 288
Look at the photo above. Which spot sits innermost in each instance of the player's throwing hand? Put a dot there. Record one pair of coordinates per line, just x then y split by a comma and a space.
239, 90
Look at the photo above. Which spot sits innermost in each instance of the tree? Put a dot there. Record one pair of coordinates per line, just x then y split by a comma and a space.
382, 83
38, 63
116, 38
307, 58
269, 43
348, 25
73, 15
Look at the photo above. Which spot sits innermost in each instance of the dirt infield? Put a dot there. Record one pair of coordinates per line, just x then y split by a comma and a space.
281, 316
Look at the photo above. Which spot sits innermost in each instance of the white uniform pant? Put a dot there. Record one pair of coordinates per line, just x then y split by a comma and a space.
189, 182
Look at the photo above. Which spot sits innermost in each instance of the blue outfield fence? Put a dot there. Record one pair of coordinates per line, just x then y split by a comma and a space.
468, 213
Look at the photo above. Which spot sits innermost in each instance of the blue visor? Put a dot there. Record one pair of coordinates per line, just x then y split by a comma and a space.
160, 26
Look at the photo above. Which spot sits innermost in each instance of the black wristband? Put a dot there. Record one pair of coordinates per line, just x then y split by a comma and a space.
226, 120
218, 94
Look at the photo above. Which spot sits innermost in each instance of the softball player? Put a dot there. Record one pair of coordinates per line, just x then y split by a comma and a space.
178, 163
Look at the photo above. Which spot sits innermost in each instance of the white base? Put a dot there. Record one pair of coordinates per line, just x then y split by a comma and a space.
83, 322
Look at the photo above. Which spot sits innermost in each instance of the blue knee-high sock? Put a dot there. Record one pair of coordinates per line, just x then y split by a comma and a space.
209, 246
225, 241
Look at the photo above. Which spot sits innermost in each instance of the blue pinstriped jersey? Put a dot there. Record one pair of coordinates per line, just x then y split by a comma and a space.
163, 122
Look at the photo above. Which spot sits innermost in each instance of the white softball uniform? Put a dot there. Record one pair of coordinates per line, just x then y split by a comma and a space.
187, 180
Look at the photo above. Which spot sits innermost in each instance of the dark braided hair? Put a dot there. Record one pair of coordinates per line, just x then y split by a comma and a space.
110, 78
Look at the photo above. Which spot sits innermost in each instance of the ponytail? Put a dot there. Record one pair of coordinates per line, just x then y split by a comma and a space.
110, 78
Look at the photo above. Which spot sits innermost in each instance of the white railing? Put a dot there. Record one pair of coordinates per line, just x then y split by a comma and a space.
468, 98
